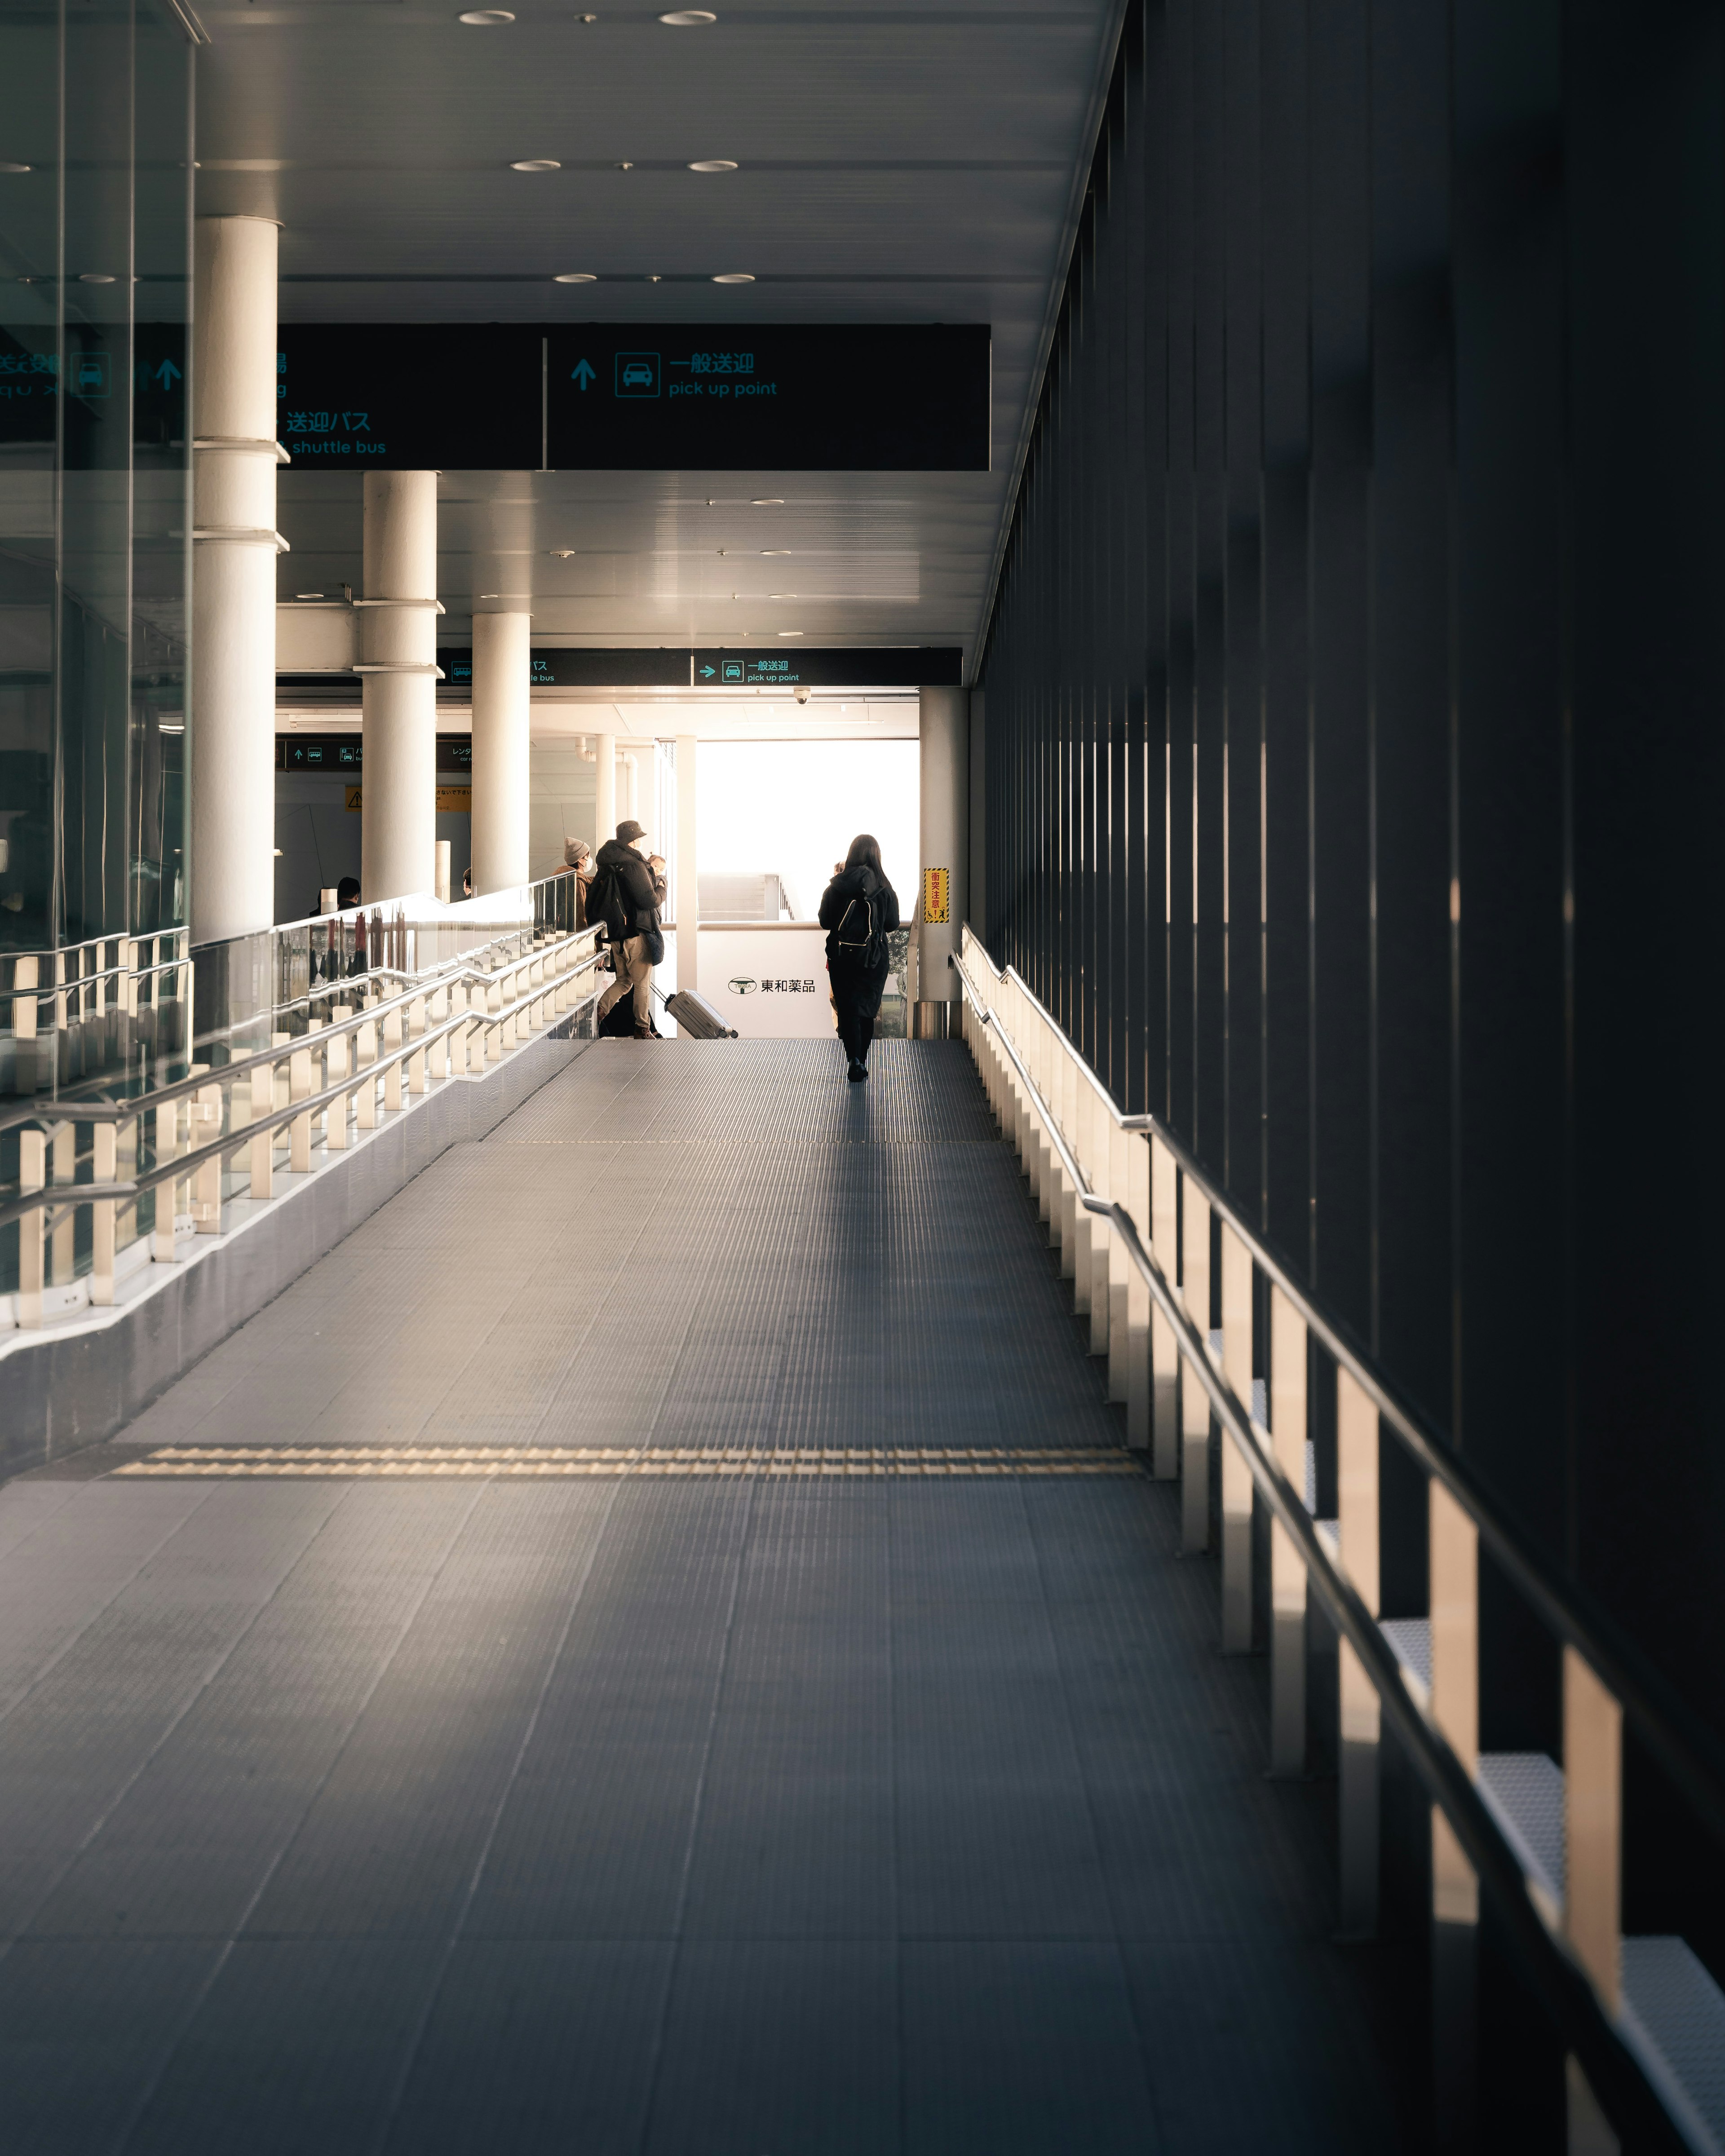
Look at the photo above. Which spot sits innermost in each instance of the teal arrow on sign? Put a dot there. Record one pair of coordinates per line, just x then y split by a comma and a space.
581, 375
706, 673
167, 373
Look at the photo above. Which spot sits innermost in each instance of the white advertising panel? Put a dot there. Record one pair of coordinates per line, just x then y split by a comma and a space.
769, 981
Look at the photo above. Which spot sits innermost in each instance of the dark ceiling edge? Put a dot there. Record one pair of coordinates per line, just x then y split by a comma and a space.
1081, 173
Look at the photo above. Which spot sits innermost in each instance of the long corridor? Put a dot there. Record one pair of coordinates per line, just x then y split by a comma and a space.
654, 1645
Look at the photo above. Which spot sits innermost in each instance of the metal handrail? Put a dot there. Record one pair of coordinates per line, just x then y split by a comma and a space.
121, 1112
16, 995
54, 1198
1687, 1750
1588, 2026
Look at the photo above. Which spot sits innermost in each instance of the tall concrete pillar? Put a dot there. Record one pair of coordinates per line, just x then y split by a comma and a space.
605, 816
945, 731
501, 672
232, 725
686, 897
399, 666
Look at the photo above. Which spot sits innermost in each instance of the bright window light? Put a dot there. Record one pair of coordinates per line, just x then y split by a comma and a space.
791, 809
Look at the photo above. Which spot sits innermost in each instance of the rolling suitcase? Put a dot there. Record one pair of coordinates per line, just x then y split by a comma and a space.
696, 1016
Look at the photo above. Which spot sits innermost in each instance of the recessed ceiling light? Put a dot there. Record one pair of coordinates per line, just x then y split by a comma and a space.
768, 502
688, 18
625, 165
733, 277
94, 277
714, 165
535, 164
575, 277
790, 632
481, 19
308, 595
7, 165
766, 552
560, 553
654, 280
786, 595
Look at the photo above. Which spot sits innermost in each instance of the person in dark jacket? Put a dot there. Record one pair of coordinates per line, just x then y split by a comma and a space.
629, 889
858, 910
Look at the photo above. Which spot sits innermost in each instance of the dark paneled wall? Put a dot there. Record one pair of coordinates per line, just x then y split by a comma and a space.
1355, 735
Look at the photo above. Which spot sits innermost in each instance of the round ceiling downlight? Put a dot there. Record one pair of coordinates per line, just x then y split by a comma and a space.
537, 165
575, 277
714, 165
7, 165
484, 19
733, 277
688, 18
790, 632
768, 502
94, 277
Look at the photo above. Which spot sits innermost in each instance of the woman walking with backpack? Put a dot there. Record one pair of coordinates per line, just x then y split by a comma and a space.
858, 911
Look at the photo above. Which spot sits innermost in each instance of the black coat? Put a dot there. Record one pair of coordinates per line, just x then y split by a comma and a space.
631, 891
860, 882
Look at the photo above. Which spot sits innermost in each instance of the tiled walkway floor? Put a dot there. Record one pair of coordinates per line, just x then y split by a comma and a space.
747, 1817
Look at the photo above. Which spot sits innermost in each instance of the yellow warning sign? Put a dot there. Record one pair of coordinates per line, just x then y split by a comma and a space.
936, 894
353, 801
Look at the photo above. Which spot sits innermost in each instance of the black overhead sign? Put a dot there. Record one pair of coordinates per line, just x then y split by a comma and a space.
889, 666
346, 753
455, 397
633, 397
627, 669
655, 397
902, 666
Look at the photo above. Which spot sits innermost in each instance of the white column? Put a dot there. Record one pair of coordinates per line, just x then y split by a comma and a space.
501, 672
685, 898
232, 724
945, 731
605, 817
398, 638
632, 786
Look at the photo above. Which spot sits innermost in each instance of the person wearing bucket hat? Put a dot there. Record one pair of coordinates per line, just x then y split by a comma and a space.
628, 891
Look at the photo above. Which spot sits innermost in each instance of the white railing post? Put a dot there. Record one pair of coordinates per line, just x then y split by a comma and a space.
392, 1071
1287, 1569
366, 1097
1593, 1825
32, 1239
1194, 1401
1455, 1603
1114, 1272
416, 1061
104, 1214
262, 1149
1236, 1474
1360, 1714
335, 1118
24, 972
1139, 1373
63, 1237
1164, 1350
299, 1089
167, 1148
206, 1177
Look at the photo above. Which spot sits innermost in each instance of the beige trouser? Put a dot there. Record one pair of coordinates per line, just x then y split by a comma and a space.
637, 972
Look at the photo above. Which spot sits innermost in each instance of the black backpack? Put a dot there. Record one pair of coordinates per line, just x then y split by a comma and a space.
606, 902
860, 934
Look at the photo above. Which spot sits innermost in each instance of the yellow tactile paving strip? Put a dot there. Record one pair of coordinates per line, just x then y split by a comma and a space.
378, 1462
